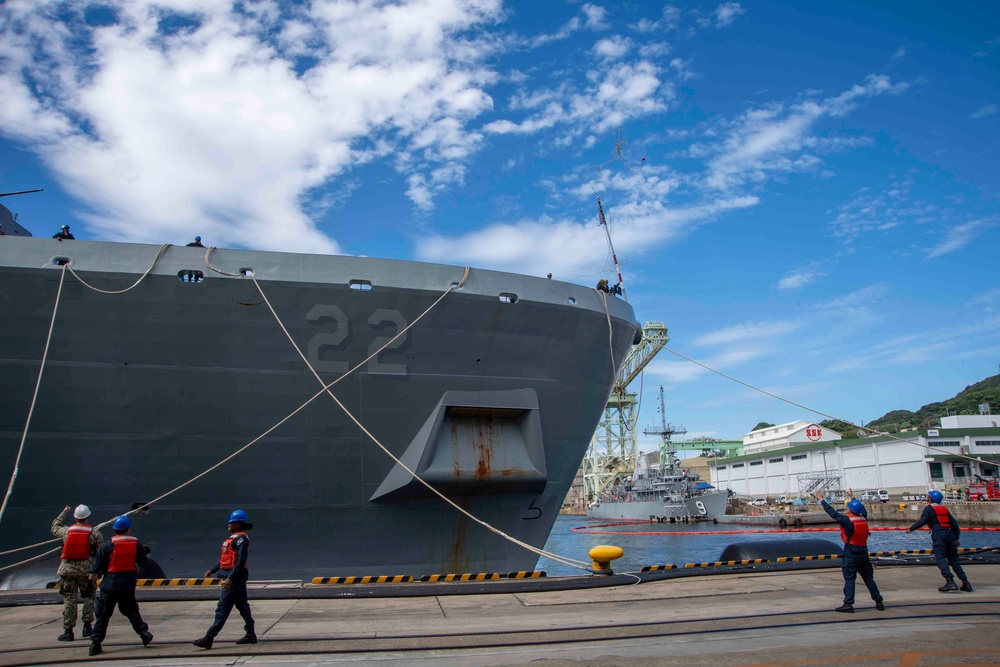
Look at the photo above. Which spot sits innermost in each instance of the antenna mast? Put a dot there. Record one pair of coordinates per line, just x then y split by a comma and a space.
607, 232
666, 431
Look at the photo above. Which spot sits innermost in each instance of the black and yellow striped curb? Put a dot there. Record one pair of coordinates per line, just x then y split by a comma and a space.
924, 552
793, 559
375, 579
405, 578
200, 581
481, 576
724, 563
657, 568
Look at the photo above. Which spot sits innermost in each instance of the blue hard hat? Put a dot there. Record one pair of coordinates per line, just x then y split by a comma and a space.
935, 496
122, 523
238, 515
197, 238
855, 506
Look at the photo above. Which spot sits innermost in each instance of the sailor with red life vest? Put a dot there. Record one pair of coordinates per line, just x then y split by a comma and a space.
116, 563
232, 569
80, 542
855, 561
944, 539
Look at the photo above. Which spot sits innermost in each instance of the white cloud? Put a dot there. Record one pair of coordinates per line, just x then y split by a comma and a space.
951, 342
568, 248
727, 12
669, 19
677, 372
960, 236
613, 48
872, 210
983, 112
571, 26
616, 94
596, 16
722, 16
801, 276
740, 333
775, 139
224, 127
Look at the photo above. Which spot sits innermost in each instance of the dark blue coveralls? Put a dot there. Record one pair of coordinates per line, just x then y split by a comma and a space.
944, 541
236, 594
117, 588
855, 560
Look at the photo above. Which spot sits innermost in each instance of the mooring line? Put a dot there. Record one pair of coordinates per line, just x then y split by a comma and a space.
571, 562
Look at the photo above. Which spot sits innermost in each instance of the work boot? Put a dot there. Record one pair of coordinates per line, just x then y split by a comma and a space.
204, 642
66, 636
248, 638
95, 648
948, 587
966, 586
146, 637
846, 608
879, 605
88, 629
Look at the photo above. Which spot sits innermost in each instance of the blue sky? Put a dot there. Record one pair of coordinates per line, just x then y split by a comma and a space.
805, 193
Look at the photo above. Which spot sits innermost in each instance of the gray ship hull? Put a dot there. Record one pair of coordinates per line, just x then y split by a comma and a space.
706, 506
491, 398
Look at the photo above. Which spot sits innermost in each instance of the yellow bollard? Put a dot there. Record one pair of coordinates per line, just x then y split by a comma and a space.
602, 556
902, 507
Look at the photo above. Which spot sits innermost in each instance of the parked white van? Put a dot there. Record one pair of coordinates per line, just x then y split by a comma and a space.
875, 495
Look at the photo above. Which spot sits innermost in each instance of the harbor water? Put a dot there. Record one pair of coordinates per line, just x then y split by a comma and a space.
677, 544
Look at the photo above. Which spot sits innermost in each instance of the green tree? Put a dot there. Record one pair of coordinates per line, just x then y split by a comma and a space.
845, 429
762, 425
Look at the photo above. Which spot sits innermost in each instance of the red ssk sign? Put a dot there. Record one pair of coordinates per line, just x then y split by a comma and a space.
814, 433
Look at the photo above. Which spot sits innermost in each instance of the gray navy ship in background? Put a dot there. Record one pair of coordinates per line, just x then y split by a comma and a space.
492, 398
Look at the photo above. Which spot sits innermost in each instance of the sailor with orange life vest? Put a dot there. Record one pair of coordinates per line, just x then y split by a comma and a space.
944, 539
116, 562
80, 542
232, 569
855, 561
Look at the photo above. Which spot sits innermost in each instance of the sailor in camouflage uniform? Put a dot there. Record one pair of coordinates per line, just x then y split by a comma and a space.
80, 543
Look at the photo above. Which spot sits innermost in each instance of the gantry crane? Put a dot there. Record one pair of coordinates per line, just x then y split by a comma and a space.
612, 452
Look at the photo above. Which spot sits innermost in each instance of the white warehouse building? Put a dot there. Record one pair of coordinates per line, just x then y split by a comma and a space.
785, 459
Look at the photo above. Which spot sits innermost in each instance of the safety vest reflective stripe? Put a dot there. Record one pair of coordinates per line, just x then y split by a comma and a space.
123, 554
860, 536
943, 517
227, 560
77, 544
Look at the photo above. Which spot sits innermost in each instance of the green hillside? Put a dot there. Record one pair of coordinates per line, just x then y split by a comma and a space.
966, 402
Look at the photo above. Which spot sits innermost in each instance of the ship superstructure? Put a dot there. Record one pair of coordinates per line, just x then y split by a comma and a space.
659, 487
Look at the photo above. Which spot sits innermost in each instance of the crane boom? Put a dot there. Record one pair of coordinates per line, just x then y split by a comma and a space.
613, 449
654, 339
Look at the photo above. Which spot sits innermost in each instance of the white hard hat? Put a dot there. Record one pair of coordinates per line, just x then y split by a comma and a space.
81, 512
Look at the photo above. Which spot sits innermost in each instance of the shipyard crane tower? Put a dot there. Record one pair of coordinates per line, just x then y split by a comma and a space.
612, 450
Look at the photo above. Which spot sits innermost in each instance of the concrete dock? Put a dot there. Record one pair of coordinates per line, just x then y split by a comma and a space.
742, 616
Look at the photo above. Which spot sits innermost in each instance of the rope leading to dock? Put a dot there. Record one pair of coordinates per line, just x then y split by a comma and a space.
34, 396
326, 388
45, 354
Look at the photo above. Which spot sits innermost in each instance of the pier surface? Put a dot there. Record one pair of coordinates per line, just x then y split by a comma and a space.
729, 619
